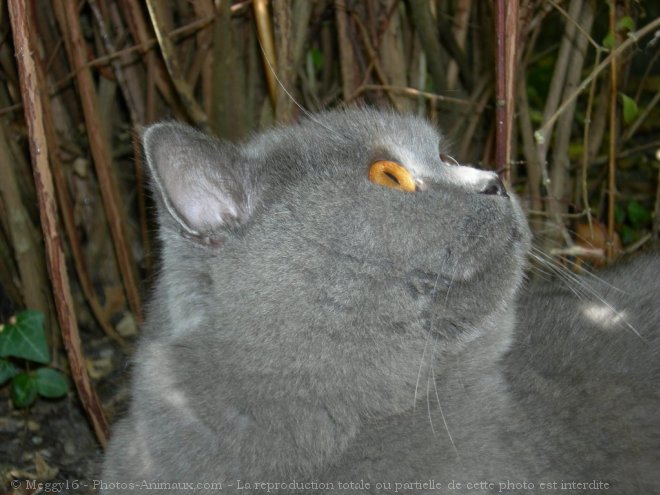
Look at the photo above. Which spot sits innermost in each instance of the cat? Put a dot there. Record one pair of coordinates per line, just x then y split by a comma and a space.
342, 309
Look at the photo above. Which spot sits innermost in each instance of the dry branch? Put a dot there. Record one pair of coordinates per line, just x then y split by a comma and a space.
559, 170
557, 85
460, 30
614, 135
195, 112
423, 21
526, 128
24, 239
349, 69
542, 134
411, 93
101, 153
21, 27
506, 36
284, 46
267, 42
66, 209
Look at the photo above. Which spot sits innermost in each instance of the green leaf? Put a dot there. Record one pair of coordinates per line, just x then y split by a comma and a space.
536, 116
638, 215
7, 370
25, 338
23, 390
609, 41
576, 150
630, 109
51, 383
317, 58
627, 235
626, 22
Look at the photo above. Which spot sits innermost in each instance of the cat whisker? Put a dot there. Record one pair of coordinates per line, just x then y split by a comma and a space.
437, 398
575, 286
306, 112
586, 272
426, 343
451, 283
428, 405
572, 282
419, 371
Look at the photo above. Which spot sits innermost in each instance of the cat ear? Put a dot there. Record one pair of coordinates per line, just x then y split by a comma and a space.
197, 178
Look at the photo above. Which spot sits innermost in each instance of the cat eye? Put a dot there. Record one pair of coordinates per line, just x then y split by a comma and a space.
391, 174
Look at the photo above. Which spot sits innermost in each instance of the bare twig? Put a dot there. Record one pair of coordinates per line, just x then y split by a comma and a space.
134, 105
156, 73
349, 75
556, 87
423, 21
560, 162
460, 30
529, 148
541, 135
283, 24
656, 210
506, 41
195, 112
374, 61
21, 27
392, 51
22, 233
66, 209
101, 154
570, 19
585, 147
614, 129
411, 92
267, 42
482, 93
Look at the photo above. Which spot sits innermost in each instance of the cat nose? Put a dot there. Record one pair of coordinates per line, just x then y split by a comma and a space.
494, 187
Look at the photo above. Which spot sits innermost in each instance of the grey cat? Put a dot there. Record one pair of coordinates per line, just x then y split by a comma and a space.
340, 311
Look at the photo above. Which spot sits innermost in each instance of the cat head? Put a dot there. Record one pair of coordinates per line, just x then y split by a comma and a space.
352, 223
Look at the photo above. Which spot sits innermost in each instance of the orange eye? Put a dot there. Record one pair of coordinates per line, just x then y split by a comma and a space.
392, 175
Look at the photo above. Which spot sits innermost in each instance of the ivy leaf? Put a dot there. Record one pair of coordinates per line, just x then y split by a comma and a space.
630, 109
23, 390
609, 41
25, 338
626, 23
51, 383
638, 215
7, 370
627, 235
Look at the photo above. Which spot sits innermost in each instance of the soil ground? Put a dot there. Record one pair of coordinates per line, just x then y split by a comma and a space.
50, 448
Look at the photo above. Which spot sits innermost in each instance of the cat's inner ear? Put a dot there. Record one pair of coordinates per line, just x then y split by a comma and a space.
197, 178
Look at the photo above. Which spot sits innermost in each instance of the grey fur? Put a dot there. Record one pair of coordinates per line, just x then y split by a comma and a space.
309, 325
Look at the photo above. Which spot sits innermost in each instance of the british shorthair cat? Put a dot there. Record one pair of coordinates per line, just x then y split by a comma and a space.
340, 309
